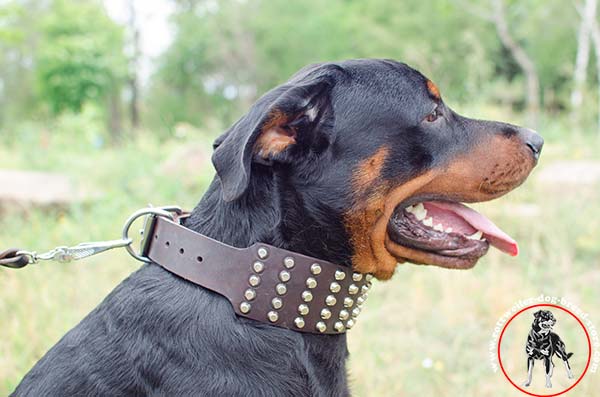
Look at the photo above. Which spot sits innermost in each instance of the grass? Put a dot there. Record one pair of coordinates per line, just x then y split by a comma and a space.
425, 332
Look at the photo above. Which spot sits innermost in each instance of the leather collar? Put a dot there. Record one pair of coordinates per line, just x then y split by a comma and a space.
262, 282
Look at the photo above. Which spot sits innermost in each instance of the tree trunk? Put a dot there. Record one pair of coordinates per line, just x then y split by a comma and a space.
133, 77
595, 34
588, 16
114, 117
522, 59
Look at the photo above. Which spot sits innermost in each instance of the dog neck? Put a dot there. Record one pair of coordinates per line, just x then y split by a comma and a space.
271, 211
257, 216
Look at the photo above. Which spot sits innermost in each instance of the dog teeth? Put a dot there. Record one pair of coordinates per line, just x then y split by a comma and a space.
428, 222
449, 230
476, 236
439, 227
410, 209
419, 211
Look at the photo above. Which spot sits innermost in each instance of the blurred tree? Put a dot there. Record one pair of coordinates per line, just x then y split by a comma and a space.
134, 56
584, 37
521, 57
18, 43
225, 53
80, 59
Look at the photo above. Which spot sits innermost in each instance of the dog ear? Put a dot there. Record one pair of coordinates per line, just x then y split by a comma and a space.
537, 314
277, 121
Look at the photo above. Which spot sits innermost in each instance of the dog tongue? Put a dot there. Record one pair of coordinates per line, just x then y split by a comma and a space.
491, 232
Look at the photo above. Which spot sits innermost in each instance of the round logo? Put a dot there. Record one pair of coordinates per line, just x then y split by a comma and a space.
544, 350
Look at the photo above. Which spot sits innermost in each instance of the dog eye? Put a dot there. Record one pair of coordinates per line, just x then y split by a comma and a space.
433, 116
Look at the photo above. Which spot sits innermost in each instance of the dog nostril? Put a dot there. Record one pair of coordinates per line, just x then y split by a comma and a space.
536, 146
534, 141
535, 150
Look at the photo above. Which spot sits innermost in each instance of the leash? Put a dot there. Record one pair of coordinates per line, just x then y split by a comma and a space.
15, 258
262, 282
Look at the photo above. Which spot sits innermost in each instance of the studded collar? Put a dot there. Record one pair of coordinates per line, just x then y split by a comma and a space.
262, 282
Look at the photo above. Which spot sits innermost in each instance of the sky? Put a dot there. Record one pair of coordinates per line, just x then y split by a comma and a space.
153, 24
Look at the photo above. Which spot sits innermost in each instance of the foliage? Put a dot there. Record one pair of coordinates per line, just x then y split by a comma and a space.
80, 57
253, 45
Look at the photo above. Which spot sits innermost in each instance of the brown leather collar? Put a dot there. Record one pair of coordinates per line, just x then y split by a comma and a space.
262, 282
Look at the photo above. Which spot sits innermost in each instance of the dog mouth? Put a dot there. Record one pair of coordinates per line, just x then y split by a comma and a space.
444, 233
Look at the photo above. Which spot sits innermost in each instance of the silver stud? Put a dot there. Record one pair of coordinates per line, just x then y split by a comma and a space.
340, 275
352, 289
355, 312
365, 289
277, 303
250, 294
245, 307
360, 300
281, 289
262, 253
325, 314
258, 266
303, 309
344, 314
273, 316
369, 277
330, 300
311, 282
321, 327
335, 287
339, 326
349, 323
299, 321
357, 276
307, 296
284, 276
315, 269
348, 302
254, 280
288, 262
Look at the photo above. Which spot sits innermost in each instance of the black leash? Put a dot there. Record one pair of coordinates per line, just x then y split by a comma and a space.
13, 258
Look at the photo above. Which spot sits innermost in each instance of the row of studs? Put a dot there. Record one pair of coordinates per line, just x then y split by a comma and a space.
311, 283
339, 326
280, 288
331, 300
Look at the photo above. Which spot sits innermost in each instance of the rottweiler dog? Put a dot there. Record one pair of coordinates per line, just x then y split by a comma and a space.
359, 163
543, 344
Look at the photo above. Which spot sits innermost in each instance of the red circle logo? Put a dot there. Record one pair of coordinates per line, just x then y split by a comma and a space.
589, 343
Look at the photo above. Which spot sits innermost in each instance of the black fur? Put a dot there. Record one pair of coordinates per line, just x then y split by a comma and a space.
159, 335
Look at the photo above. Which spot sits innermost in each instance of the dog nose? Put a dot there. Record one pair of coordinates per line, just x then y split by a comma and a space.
534, 141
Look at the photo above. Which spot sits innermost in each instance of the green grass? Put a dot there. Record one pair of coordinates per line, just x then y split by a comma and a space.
422, 313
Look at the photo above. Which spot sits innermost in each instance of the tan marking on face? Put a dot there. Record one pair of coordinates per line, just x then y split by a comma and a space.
274, 138
489, 170
479, 175
364, 223
433, 90
369, 170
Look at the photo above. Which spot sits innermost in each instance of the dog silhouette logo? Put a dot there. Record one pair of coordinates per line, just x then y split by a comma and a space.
543, 344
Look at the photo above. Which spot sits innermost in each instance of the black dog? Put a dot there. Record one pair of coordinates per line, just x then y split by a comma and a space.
543, 344
331, 164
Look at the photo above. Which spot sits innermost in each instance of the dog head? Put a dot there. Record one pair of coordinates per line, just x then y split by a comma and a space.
543, 321
368, 162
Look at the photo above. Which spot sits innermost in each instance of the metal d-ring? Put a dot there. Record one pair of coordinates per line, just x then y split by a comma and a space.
165, 212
